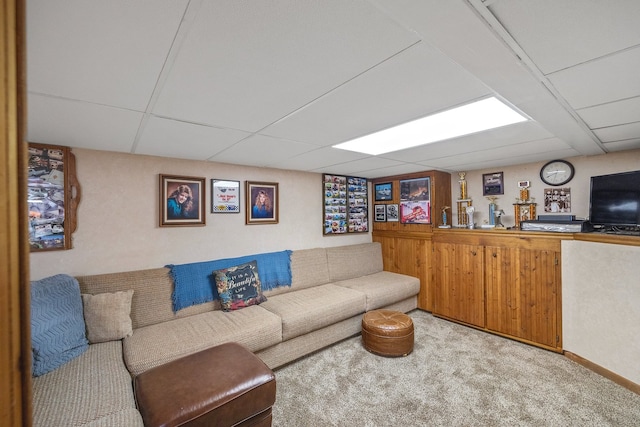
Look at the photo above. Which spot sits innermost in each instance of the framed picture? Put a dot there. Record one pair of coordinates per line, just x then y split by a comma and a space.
418, 189
383, 192
346, 205
262, 202
492, 184
182, 201
53, 194
415, 201
225, 196
415, 212
392, 213
380, 213
557, 200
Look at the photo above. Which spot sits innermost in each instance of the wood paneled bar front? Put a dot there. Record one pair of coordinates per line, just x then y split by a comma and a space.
501, 281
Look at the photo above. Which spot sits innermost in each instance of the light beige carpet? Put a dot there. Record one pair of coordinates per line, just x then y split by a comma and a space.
456, 376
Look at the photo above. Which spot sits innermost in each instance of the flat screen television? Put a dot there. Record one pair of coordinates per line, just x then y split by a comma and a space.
615, 200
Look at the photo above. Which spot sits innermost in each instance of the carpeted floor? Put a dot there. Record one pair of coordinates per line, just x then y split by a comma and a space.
456, 376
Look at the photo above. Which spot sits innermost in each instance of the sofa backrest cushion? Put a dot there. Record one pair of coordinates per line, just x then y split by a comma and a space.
151, 301
347, 262
308, 268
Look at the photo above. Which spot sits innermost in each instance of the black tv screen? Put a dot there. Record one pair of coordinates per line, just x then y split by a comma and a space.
615, 199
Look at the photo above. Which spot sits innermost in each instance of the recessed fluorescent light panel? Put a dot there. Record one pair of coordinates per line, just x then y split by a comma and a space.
471, 118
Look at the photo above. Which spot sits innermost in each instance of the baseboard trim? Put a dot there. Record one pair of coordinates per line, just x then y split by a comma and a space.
604, 372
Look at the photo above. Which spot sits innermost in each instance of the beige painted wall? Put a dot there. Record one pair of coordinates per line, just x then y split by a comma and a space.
118, 217
601, 305
585, 167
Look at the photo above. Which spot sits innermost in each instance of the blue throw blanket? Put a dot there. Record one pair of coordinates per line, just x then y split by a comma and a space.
195, 283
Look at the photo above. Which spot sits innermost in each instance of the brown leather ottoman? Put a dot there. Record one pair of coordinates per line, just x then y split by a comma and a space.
387, 332
226, 385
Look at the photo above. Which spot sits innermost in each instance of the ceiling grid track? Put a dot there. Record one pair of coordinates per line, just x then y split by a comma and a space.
481, 7
190, 14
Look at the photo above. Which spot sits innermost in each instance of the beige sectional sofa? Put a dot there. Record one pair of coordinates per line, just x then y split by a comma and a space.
331, 289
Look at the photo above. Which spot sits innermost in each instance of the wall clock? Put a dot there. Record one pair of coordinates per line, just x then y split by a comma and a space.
557, 172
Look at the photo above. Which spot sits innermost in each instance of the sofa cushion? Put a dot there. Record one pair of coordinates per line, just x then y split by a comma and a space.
308, 268
239, 286
93, 389
348, 262
152, 289
108, 316
313, 308
57, 323
383, 288
153, 345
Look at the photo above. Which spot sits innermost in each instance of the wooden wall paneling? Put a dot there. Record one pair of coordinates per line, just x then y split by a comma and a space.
15, 340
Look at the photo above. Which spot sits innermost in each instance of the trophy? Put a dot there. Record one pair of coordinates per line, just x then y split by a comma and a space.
492, 209
470, 211
498, 215
444, 217
463, 203
463, 185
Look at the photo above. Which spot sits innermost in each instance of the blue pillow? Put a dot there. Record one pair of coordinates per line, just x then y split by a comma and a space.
57, 323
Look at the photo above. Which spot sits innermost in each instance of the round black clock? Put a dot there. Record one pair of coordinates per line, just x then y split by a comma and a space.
557, 172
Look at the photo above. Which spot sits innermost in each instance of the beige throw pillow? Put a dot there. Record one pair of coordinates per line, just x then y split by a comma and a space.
108, 316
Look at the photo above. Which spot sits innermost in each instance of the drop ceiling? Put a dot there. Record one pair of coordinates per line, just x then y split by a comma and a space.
277, 83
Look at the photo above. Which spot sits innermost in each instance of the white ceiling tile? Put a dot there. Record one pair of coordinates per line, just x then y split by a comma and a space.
247, 64
502, 153
619, 133
629, 144
613, 113
559, 34
604, 80
320, 158
106, 52
260, 150
400, 168
81, 124
171, 138
413, 84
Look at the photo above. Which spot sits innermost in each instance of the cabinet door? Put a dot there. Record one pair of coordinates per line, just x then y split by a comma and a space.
459, 282
522, 293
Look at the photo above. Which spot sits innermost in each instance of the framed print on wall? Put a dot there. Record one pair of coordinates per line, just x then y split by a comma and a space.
225, 196
415, 201
346, 204
262, 202
53, 194
383, 192
392, 213
182, 201
492, 184
380, 213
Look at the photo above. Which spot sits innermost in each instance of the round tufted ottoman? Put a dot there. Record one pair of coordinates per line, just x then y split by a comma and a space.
387, 332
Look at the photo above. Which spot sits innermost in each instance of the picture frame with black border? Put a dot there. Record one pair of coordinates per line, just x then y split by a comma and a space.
383, 192
380, 213
392, 212
492, 183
